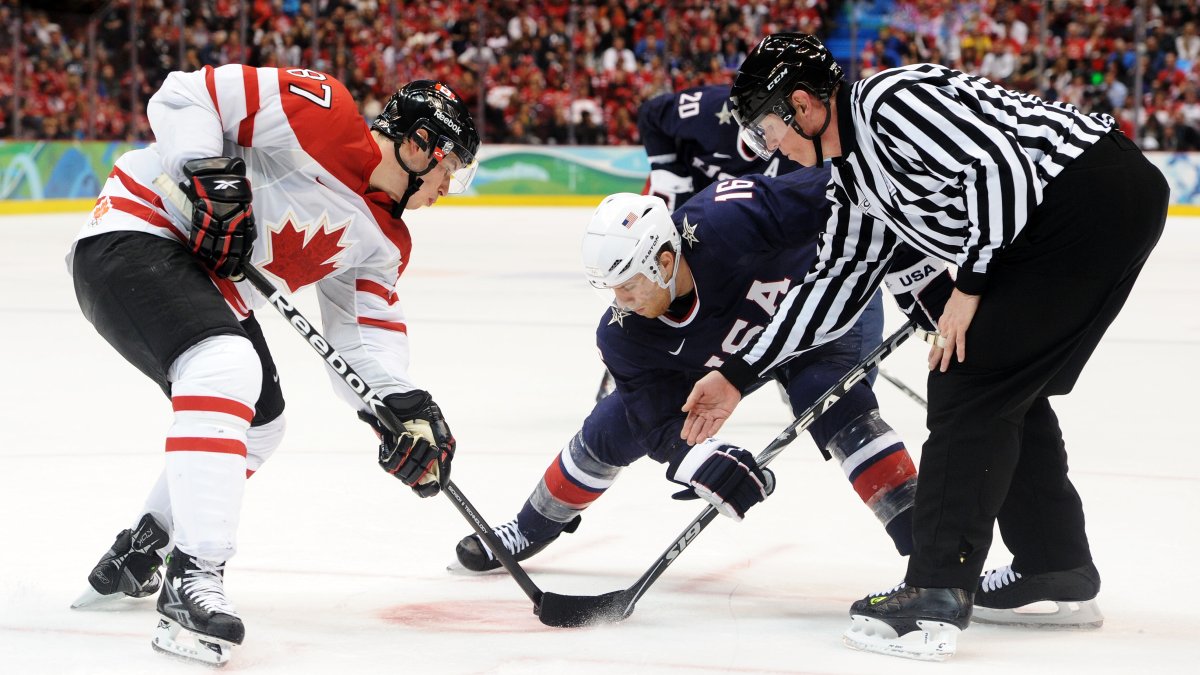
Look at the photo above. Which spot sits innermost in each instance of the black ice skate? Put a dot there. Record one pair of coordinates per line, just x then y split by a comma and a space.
474, 556
193, 599
130, 568
1050, 600
915, 623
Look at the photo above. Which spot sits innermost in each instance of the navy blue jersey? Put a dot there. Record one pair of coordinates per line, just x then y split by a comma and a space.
692, 133
747, 241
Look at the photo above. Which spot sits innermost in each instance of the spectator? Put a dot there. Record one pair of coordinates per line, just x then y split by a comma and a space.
587, 132
619, 56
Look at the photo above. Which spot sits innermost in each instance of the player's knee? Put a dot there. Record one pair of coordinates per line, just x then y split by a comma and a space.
222, 366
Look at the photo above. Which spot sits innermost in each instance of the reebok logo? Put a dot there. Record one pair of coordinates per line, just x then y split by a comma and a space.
225, 185
445, 119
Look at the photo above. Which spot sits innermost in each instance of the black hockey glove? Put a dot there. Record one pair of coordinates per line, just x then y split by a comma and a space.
724, 475
921, 290
420, 456
222, 222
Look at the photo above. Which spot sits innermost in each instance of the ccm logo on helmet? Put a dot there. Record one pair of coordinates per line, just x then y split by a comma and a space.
445, 119
775, 80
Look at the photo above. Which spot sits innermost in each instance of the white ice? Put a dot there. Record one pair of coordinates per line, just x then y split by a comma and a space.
340, 568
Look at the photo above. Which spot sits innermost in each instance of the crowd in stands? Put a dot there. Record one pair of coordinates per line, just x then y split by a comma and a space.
1089, 59
570, 71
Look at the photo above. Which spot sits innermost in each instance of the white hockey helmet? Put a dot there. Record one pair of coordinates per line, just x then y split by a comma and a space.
623, 239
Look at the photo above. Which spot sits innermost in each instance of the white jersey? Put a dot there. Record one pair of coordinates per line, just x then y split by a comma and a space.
309, 155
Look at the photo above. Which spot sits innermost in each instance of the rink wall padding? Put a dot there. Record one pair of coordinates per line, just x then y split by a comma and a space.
65, 176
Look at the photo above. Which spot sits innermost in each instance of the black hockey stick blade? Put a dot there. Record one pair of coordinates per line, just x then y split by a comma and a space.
573, 611
582, 610
359, 386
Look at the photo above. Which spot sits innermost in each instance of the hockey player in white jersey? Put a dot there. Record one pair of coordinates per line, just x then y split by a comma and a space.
283, 173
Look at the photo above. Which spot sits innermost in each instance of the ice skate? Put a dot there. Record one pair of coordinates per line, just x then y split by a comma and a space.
473, 556
1049, 600
910, 622
193, 604
130, 568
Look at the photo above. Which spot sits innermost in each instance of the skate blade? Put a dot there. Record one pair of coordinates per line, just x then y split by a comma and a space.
934, 641
1047, 614
207, 650
90, 599
456, 568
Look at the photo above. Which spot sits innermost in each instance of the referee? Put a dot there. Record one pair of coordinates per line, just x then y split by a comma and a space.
1048, 215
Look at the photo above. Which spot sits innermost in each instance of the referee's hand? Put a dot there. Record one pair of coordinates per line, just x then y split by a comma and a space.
952, 327
711, 402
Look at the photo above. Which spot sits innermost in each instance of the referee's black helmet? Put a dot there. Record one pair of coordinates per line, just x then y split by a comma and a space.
777, 66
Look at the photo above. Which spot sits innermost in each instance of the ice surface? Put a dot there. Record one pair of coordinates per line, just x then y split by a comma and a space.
340, 568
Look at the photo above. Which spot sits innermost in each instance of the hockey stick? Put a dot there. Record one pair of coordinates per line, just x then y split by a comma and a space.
904, 388
564, 610
364, 391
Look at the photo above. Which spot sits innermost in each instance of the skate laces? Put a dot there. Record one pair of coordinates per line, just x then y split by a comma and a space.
893, 589
509, 535
204, 584
994, 580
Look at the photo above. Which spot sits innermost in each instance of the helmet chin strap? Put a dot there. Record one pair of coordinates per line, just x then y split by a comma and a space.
815, 138
670, 285
414, 181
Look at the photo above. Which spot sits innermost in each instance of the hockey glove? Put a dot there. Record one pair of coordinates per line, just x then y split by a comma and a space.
921, 290
222, 222
723, 475
670, 183
419, 456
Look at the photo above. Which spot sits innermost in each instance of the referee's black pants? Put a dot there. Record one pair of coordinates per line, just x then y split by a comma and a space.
995, 451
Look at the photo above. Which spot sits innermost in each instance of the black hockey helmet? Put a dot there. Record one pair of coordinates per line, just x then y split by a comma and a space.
451, 136
780, 64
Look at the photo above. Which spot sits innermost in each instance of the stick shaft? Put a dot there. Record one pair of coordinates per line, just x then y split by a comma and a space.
826, 400
903, 387
360, 387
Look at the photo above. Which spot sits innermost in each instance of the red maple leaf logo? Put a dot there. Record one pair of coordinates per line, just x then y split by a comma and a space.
303, 256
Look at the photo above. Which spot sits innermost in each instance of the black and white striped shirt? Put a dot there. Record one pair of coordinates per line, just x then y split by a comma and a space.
950, 164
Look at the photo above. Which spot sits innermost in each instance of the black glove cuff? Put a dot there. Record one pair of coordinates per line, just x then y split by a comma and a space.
408, 402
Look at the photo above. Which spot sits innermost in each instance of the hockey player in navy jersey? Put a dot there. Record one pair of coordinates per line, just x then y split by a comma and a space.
692, 142
689, 289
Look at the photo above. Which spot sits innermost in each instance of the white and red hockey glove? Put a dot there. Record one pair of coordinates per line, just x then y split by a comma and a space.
724, 475
419, 456
223, 230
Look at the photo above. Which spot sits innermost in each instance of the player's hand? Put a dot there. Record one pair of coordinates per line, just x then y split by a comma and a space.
223, 230
724, 475
952, 327
711, 402
421, 454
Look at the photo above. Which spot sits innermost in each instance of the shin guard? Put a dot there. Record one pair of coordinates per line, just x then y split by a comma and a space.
213, 388
878, 466
574, 480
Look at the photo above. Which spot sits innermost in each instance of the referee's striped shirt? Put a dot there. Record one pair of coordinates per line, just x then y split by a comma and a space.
950, 164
